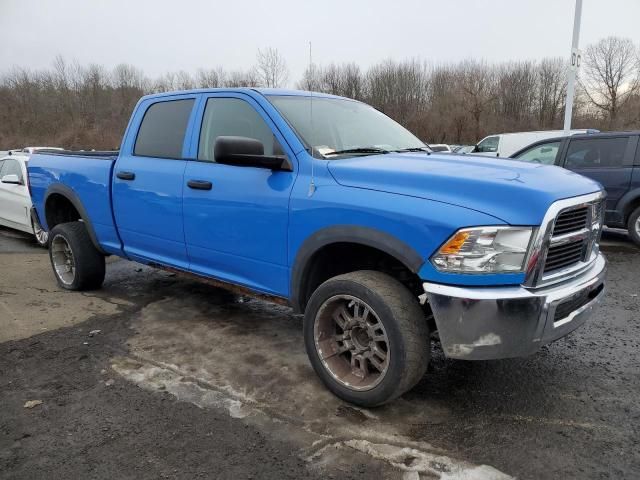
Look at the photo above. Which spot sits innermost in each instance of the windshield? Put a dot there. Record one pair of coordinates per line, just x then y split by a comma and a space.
344, 127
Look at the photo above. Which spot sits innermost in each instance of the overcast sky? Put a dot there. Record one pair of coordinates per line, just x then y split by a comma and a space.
162, 35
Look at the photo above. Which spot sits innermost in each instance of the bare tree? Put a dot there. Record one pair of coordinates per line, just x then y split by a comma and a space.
271, 68
240, 78
551, 91
610, 76
477, 87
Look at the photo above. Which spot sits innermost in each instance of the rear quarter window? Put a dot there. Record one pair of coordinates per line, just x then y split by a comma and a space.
162, 130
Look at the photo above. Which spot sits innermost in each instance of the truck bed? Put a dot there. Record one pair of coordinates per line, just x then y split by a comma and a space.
85, 176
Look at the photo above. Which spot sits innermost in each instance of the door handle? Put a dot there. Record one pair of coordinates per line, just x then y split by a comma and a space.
199, 185
126, 175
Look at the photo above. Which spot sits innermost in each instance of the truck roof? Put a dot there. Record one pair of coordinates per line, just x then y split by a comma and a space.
263, 91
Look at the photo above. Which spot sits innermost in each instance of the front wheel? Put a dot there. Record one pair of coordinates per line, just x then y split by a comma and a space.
76, 262
366, 337
634, 226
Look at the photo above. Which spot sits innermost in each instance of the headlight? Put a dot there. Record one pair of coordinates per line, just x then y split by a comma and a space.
484, 250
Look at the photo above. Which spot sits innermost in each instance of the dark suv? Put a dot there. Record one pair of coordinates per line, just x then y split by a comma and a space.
613, 159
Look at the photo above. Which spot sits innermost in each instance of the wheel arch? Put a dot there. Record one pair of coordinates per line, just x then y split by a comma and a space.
628, 203
62, 204
302, 278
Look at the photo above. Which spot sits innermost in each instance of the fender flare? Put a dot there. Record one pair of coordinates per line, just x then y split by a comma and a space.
369, 237
70, 195
627, 199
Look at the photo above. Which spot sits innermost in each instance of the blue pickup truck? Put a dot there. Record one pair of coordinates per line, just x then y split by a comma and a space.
327, 205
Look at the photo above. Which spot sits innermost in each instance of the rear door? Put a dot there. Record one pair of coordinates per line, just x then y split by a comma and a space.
147, 182
14, 198
608, 160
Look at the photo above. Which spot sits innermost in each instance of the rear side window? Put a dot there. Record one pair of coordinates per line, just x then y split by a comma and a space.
596, 153
232, 117
545, 154
162, 130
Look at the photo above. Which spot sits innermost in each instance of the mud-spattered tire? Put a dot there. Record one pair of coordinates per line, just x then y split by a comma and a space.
76, 263
395, 312
634, 226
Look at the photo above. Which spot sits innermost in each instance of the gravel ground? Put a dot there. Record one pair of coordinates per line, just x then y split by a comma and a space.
571, 411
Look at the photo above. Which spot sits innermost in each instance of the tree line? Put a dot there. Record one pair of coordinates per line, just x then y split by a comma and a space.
88, 106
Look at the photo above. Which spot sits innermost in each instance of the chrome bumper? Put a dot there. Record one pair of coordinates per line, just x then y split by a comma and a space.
501, 322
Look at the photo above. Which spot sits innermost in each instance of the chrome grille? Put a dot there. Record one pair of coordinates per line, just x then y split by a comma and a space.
572, 221
572, 237
567, 241
561, 256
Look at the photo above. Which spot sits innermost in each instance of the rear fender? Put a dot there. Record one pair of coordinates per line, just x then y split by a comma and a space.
73, 198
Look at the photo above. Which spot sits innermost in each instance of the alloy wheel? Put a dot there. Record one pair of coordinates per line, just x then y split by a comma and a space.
63, 260
351, 342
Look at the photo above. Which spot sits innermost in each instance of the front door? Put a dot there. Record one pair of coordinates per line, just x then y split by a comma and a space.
148, 183
236, 227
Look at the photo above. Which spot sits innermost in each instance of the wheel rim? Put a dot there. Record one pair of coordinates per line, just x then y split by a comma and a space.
351, 342
63, 261
638, 226
41, 235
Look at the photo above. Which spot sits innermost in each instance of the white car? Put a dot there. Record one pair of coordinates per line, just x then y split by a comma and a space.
506, 144
15, 200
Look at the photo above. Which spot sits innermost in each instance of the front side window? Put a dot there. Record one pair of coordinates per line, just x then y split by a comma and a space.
488, 145
232, 117
596, 153
163, 128
545, 153
330, 125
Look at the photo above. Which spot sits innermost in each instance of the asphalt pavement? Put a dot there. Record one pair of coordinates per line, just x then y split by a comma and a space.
155, 376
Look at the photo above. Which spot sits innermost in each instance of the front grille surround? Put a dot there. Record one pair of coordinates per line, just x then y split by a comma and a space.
567, 241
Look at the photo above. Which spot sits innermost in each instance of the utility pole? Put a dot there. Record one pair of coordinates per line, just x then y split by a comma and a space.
576, 58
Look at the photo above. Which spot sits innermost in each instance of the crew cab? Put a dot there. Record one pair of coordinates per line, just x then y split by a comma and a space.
612, 159
327, 205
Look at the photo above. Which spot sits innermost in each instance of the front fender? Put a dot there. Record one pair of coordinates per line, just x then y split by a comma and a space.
366, 236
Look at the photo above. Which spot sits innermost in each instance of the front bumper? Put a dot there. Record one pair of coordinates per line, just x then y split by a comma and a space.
502, 322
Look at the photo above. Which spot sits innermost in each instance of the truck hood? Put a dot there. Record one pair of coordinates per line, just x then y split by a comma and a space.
515, 192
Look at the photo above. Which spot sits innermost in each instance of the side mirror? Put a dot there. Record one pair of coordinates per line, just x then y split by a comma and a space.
11, 179
247, 152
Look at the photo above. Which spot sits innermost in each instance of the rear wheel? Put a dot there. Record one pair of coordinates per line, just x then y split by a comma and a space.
634, 226
366, 337
76, 262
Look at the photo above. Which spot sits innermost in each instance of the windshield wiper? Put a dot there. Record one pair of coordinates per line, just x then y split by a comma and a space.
414, 149
358, 150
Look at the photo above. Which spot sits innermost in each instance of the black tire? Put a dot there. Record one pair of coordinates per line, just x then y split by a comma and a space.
633, 225
405, 326
88, 262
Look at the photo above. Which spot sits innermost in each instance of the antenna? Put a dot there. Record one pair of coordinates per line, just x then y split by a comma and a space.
312, 185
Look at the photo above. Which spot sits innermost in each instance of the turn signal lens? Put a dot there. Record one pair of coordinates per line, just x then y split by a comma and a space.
455, 243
